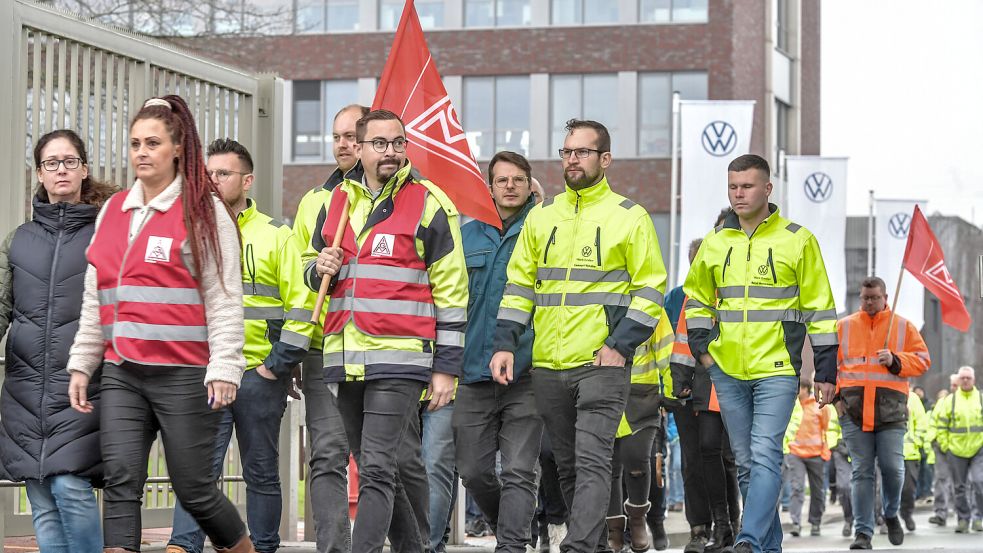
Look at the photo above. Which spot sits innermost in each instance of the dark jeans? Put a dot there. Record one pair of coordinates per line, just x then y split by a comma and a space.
377, 414
705, 479
491, 418
967, 480
799, 469
843, 470
328, 451
409, 530
551, 502
256, 416
137, 402
910, 487
582, 408
631, 470
658, 496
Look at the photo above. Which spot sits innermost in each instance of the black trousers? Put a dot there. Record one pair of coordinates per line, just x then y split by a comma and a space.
138, 402
705, 478
631, 470
910, 487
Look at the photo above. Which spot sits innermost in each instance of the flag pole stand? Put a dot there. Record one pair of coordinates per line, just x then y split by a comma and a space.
894, 305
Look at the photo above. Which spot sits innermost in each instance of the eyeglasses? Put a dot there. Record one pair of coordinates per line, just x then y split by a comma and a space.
51, 165
222, 175
380, 145
518, 180
581, 153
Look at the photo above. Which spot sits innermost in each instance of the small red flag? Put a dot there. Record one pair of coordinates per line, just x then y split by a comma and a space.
923, 258
437, 146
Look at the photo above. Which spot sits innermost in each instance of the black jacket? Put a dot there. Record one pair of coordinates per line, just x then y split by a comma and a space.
42, 273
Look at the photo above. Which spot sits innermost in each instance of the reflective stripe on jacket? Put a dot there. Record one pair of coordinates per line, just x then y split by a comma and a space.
277, 306
752, 300
805, 436
959, 424
651, 383
703, 392
873, 394
918, 425
354, 351
587, 272
149, 306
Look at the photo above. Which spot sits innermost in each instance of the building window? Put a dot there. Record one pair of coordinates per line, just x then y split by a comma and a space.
582, 97
655, 107
782, 112
672, 11
431, 13
320, 16
315, 104
497, 13
580, 12
782, 28
496, 114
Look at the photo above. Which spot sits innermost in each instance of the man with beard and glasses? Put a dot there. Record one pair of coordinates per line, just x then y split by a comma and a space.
397, 311
587, 272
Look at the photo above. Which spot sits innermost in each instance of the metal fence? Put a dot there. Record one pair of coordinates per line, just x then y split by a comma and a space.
60, 71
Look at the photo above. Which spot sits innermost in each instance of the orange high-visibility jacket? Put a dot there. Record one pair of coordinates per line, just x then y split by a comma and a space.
875, 395
806, 433
682, 355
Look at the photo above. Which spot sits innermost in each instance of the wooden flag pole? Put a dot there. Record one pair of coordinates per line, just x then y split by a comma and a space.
894, 305
322, 292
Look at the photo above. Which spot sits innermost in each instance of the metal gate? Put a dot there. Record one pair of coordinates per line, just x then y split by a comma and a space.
60, 71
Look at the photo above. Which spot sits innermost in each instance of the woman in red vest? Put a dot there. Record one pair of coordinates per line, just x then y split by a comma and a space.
162, 319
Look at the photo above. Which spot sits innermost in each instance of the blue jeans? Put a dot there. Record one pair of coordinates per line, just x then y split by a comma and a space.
756, 414
65, 514
887, 446
438, 457
675, 473
256, 415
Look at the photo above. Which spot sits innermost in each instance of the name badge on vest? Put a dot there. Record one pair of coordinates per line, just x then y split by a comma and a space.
158, 249
382, 245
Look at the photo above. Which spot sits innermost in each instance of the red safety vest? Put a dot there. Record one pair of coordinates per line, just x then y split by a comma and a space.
149, 305
383, 286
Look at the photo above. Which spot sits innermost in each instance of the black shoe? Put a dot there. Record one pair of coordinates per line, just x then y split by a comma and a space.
697, 540
816, 530
862, 541
895, 534
660, 541
909, 523
723, 536
937, 520
742, 547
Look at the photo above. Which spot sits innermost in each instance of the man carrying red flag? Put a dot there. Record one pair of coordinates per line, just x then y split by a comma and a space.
924, 260
411, 88
878, 352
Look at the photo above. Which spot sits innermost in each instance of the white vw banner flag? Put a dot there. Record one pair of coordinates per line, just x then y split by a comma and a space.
712, 134
890, 237
817, 201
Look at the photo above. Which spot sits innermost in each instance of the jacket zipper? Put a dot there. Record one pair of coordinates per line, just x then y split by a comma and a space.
747, 279
549, 243
771, 263
251, 266
47, 338
597, 245
723, 274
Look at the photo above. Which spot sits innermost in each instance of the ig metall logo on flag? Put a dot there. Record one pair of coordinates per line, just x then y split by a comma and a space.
898, 225
818, 187
719, 138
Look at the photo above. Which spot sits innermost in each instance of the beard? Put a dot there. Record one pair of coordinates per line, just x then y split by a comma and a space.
386, 168
583, 181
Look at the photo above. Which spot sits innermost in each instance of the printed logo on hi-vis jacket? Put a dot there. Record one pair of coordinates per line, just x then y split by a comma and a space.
158, 249
382, 245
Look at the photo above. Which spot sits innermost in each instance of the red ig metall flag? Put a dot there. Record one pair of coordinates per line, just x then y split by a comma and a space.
923, 258
436, 145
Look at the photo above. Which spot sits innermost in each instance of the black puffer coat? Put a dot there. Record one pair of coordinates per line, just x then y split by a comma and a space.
42, 273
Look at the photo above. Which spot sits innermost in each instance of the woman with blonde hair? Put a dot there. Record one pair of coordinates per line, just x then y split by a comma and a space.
162, 315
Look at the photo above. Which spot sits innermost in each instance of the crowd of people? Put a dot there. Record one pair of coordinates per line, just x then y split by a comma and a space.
540, 359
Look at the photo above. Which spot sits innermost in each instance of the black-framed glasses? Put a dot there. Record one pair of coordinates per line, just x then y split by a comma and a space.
518, 181
222, 175
380, 145
581, 153
51, 165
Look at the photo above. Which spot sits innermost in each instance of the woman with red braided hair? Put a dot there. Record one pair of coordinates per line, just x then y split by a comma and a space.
162, 319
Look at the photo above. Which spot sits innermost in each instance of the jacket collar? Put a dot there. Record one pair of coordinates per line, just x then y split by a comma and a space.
163, 201
879, 317
249, 213
62, 214
591, 194
334, 179
731, 221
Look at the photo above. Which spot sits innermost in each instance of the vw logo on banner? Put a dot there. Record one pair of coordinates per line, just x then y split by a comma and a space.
898, 225
719, 138
818, 187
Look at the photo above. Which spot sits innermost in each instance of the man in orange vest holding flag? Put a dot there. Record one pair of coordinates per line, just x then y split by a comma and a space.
806, 453
878, 353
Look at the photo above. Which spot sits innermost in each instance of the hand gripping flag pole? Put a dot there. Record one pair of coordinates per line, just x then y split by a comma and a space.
322, 292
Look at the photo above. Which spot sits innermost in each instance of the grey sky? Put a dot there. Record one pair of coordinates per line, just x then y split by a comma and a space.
902, 96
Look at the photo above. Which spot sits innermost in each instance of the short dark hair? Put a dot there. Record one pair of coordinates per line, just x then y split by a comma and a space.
509, 157
375, 115
228, 146
723, 215
874, 282
749, 161
603, 136
694, 248
362, 110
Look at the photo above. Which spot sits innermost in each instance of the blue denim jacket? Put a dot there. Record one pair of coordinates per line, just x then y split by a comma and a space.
487, 254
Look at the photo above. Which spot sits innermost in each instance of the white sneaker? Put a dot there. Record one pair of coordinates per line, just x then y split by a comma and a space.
557, 533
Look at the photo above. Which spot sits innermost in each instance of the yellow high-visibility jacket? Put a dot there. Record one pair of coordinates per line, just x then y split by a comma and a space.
959, 423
